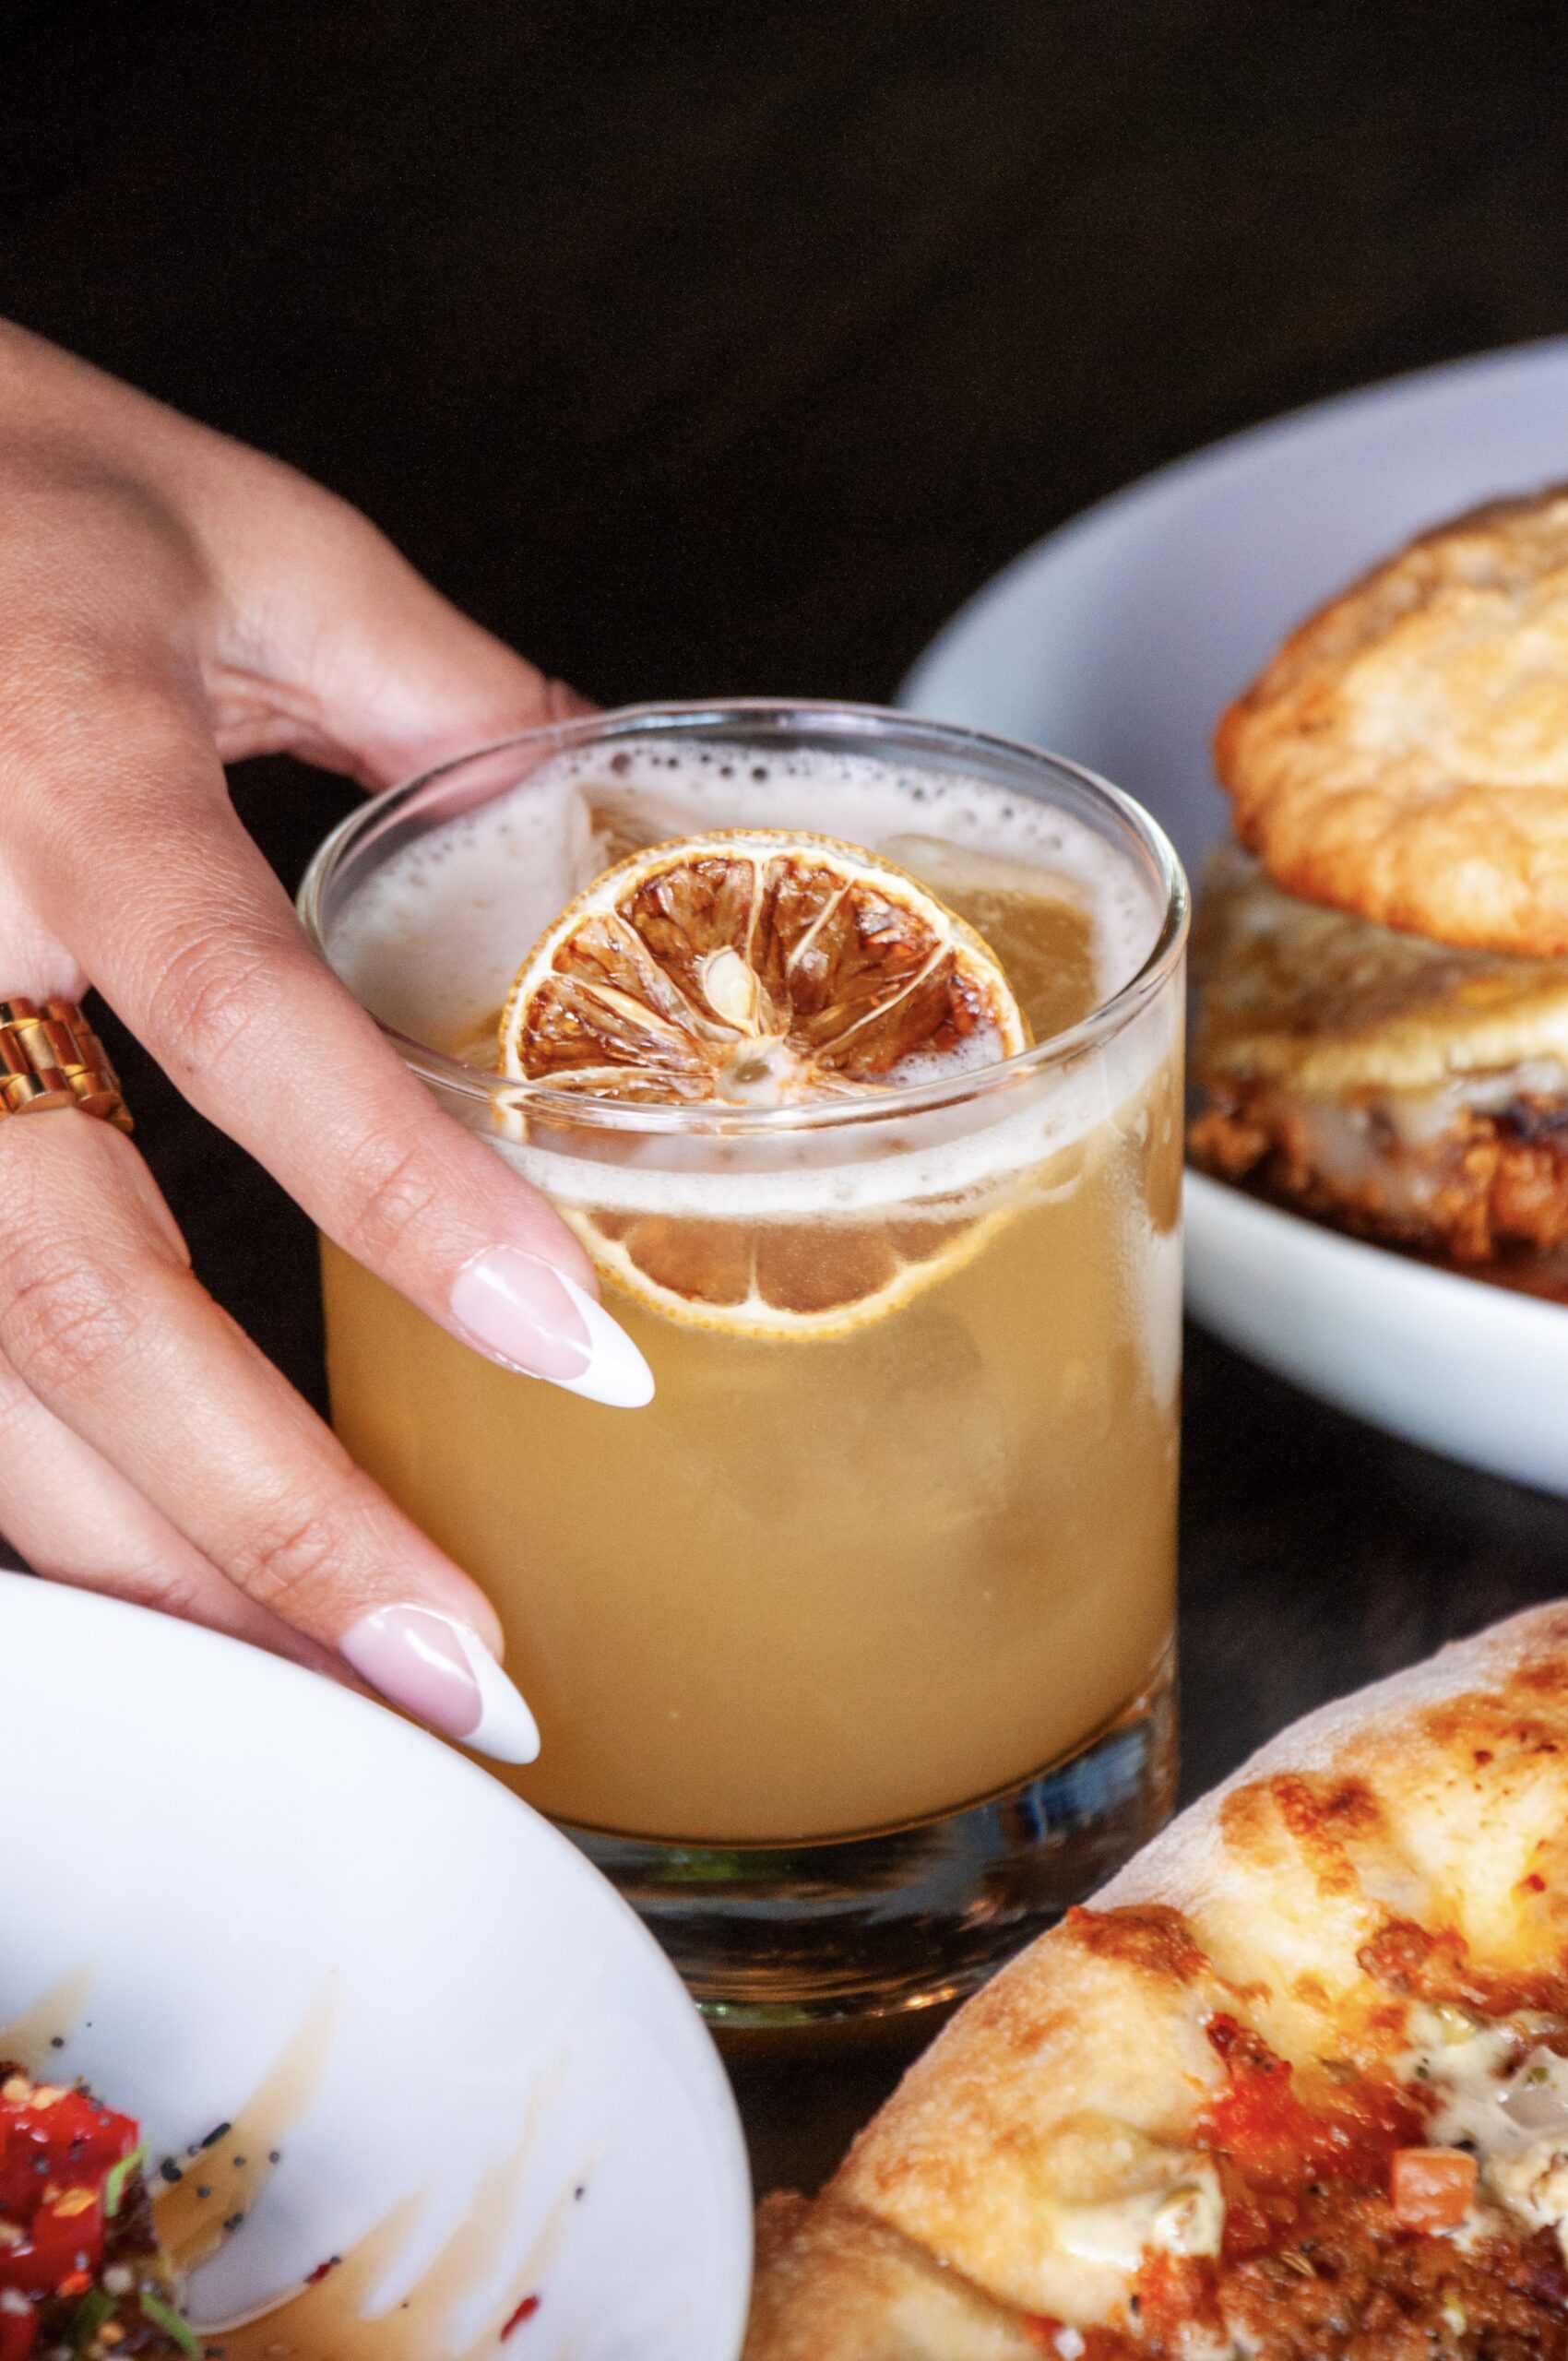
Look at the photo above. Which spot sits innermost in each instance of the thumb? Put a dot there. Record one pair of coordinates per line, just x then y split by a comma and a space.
331, 645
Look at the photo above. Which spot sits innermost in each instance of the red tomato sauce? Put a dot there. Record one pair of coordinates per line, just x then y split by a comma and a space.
1279, 2143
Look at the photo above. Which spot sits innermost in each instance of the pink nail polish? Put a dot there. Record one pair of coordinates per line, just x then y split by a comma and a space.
441, 1671
524, 1313
513, 1304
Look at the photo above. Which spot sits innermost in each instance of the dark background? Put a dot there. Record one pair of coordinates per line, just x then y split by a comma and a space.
727, 347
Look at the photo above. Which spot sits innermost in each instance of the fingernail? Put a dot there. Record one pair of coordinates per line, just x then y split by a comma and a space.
525, 1314
437, 1670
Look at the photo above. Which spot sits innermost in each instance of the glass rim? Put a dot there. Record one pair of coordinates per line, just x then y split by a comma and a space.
1109, 1017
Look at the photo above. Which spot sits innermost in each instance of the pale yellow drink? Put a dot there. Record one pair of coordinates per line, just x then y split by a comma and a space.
832, 1582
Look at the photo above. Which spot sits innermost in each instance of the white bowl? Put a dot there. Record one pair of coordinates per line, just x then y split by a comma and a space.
240, 1895
1468, 1370
1117, 641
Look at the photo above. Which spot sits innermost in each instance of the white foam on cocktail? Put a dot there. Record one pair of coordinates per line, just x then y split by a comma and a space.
434, 938
1051, 1142
430, 942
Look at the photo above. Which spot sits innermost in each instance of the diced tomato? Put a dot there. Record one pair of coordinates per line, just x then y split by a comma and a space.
19, 2331
69, 2138
65, 2241
1432, 2189
57, 2147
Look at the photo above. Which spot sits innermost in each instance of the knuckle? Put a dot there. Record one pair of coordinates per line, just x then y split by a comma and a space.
207, 1002
65, 1324
394, 1188
183, 1590
125, 1574
286, 1557
118, 534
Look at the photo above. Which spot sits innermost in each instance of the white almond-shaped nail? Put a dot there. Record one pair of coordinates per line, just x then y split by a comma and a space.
617, 1373
527, 1314
506, 1730
441, 1671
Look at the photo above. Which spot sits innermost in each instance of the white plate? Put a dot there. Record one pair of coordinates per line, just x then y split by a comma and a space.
1117, 640
224, 1875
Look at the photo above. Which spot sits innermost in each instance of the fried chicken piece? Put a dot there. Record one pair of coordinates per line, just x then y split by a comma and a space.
1402, 1089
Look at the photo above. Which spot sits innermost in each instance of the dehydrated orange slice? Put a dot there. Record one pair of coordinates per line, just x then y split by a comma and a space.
754, 968
762, 968
800, 1279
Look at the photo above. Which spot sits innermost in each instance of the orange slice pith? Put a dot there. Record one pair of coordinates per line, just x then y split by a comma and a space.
761, 968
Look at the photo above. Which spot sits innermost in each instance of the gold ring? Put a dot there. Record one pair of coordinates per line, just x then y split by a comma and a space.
50, 1057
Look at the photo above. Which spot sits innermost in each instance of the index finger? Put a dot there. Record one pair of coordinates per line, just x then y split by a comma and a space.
156, 887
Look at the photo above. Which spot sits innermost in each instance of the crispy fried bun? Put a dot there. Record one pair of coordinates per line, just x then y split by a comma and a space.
1400, 1088
1404, 756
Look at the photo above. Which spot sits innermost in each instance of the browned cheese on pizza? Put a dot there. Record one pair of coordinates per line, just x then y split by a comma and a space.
1295, 2084
1402, 1088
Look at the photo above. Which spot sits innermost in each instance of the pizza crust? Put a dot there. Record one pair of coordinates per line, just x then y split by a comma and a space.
1417, 1829
986, 2154
833, 2286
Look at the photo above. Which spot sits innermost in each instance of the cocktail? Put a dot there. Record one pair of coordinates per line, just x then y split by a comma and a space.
850, 1046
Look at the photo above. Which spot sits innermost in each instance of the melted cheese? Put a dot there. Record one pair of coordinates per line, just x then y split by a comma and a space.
1513, 2114
1534, 2183
1184, 2216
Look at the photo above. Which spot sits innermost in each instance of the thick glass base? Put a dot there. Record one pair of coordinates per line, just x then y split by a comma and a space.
769, 1937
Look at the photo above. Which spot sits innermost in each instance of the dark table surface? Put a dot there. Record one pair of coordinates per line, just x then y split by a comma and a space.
704, 348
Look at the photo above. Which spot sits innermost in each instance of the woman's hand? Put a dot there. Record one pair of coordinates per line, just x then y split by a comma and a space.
170, 601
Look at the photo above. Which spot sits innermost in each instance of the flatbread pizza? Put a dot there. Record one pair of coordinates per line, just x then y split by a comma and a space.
1295, 2084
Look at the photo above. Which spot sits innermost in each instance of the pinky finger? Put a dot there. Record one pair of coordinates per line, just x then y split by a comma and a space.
74, 1519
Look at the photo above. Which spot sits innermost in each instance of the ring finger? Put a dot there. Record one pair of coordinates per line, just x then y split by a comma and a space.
102, 1320
75, 1519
